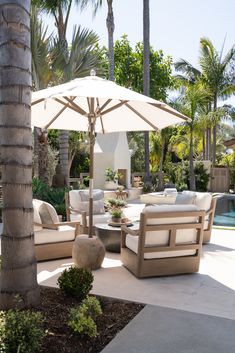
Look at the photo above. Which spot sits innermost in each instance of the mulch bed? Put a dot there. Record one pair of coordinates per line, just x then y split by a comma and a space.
60, 338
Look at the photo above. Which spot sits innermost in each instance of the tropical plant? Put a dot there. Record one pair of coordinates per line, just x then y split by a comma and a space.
111, 175
18, 267
215, 74
60, 10
110, 28
42, 75
195, 95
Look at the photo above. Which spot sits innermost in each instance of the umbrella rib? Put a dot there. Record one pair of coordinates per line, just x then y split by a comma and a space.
114, 107
38, 101
56, 116
103, 106
75, 106
166, 109
141, 116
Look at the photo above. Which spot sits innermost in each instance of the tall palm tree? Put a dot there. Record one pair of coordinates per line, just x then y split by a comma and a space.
216, 77
18, 266
60, 10
146, 79
214, 74
110, 27
194, 96
42, 75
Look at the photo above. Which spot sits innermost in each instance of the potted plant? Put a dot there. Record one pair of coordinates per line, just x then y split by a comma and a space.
111, 179
116, 214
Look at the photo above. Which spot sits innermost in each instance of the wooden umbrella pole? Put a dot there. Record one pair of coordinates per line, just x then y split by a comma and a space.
91, 178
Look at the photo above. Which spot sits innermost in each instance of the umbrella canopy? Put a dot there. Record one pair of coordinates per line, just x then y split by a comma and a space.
97, 105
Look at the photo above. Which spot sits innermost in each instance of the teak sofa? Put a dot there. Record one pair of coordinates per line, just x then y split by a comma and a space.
169, 241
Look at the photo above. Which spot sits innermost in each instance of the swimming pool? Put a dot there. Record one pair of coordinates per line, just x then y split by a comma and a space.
225, 211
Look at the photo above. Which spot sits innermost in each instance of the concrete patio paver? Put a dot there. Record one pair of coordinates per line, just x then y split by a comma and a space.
163, 330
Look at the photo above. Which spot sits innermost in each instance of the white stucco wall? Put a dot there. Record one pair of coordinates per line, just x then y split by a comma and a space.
111, 150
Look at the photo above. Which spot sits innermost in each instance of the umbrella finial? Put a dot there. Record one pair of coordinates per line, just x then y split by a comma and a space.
93, 72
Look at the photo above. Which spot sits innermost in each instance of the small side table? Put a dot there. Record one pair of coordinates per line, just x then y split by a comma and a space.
121, 195
111, 236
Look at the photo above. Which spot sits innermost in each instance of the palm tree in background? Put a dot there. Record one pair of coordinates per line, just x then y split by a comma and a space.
42, 75
146, 79
60, 10
110, 27
194, 97
215, 75
69, 62
18, 265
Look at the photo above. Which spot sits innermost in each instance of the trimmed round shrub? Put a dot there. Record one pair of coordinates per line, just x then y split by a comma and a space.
76, 282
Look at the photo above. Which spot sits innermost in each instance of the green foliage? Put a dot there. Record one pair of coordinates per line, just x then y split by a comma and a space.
76, 282
201, 177
111, 175
116, 203
54, 196
129, 68
179, 176
21, 331
116, 213
81, 319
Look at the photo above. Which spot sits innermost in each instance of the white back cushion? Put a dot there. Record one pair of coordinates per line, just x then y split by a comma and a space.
161, 237
79, 200
36, 216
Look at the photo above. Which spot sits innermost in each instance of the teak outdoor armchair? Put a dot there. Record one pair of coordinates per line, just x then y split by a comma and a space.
52, 239
169, 241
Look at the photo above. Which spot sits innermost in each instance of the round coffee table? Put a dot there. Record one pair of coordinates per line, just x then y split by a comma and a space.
111, 236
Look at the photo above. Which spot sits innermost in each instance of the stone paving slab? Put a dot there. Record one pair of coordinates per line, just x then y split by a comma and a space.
162, 330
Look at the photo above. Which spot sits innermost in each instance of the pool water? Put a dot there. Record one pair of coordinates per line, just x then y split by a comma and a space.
225, 211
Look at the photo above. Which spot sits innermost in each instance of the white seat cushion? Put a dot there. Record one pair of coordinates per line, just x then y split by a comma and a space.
46, 236
97, 218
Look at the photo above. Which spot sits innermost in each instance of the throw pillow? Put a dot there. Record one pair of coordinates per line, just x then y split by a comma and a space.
48, 214
97, 195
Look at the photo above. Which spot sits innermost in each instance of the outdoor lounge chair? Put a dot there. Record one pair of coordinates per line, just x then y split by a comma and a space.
77, 207
53, 239
169, 241
203, 200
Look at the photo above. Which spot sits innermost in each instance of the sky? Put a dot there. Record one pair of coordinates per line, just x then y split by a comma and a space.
176, 26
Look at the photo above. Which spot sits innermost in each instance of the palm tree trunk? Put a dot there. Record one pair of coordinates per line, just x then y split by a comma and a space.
214, 133
110, 27
64, 155
18, 266
146, 79
192, 182
204, 145
160, 183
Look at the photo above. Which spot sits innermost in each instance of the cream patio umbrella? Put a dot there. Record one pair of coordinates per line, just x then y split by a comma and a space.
97, 105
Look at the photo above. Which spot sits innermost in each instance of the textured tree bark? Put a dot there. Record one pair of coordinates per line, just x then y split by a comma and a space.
18, 267
110, 27
146, 80
192, 182
64, 155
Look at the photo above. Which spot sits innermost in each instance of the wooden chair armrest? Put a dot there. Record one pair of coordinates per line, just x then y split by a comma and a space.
72, 209
127, 230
